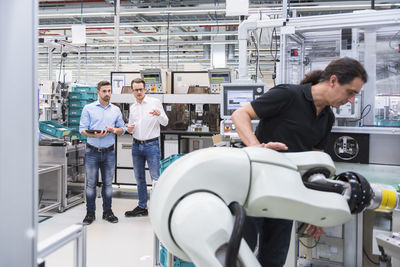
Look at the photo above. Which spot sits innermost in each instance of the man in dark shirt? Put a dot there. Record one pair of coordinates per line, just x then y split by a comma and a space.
296, 118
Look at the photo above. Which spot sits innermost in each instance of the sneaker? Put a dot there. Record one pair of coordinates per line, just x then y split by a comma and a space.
89, 218
136, 212
110, 217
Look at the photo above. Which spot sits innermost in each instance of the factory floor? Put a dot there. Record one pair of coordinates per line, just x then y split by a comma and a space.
128, 243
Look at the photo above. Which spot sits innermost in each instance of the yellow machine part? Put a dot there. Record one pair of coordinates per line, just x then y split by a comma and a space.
389, 200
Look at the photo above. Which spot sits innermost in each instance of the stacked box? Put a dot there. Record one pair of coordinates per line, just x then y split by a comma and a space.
54, 129
77, 99
177, 261
163, 251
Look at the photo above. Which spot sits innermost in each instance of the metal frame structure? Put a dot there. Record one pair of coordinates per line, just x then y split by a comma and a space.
77, 233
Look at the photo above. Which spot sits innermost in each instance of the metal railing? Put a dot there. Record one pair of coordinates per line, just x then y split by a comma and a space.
77, 233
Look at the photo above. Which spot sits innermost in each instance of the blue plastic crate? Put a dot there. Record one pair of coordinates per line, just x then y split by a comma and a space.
82, 96
74, 127
78, 103
54, 129
177, 262
88, 89
167, 161
74, 120
74, 112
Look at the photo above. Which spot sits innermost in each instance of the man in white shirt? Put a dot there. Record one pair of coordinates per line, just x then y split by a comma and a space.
145, 117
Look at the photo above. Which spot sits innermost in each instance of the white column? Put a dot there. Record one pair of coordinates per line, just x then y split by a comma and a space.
116, 31
218, 54
18, 137
369, 90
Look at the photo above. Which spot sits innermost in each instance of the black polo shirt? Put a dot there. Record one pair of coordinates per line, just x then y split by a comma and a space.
287, 114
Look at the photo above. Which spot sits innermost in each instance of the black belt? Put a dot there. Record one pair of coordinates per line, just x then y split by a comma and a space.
111, 148
145, 141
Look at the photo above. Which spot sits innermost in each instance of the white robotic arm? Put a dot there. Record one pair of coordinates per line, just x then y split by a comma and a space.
190, 208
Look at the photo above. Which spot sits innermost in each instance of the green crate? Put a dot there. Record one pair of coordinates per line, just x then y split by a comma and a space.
54, 129
164, 163
177, 262
74, 128
73, 120
83, 138
74, 112
82, 96
79, 103
88, 89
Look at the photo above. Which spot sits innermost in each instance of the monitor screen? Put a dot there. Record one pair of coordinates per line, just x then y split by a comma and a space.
220, 77
152, 77
235, 96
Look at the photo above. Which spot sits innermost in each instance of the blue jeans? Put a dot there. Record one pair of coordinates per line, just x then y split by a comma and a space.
105, 161
141, 153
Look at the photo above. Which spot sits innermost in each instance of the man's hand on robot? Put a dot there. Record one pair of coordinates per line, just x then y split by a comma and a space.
275, 146
314, 231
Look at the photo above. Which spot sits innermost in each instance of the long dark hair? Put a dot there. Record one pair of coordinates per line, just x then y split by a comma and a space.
345, 69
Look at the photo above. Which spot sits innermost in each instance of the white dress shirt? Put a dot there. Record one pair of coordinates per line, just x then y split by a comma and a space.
147, 126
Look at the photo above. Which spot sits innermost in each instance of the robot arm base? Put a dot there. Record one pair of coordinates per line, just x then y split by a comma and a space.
201, 225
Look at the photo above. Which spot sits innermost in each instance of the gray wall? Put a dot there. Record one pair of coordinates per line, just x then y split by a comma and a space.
384, 149
18, 134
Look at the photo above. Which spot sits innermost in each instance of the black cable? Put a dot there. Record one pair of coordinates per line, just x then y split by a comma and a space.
274, 57
236, 236
313, 246
258, 55
369, 259
61, 62
256, 46
361, 115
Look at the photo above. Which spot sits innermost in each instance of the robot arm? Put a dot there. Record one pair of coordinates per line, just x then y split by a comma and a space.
190, 212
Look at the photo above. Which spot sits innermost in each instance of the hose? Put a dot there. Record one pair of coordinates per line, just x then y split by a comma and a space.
236, 236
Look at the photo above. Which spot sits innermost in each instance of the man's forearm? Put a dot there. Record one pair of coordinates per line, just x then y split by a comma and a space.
244, 128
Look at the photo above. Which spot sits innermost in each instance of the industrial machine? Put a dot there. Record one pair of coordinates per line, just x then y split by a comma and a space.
197, 209
217, 78
234, 96
183, 81
71, 157
153, 80
389, 246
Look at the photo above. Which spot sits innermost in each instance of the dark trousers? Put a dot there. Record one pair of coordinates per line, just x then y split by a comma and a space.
274, 239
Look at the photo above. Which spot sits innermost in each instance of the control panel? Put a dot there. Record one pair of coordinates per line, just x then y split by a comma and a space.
237, 95
228, 128
218, 77
152, 78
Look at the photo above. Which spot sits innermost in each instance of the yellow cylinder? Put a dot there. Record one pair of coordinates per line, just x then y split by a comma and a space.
389, 200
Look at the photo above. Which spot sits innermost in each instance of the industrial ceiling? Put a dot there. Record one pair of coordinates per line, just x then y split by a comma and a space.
175, 34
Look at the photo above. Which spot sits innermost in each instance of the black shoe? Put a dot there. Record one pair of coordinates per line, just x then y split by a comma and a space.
110, 217
89, 218
136, 212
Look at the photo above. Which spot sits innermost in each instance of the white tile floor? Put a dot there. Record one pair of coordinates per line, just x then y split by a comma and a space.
128, 243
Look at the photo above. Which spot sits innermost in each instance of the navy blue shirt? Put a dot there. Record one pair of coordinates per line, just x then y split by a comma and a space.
288, 114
